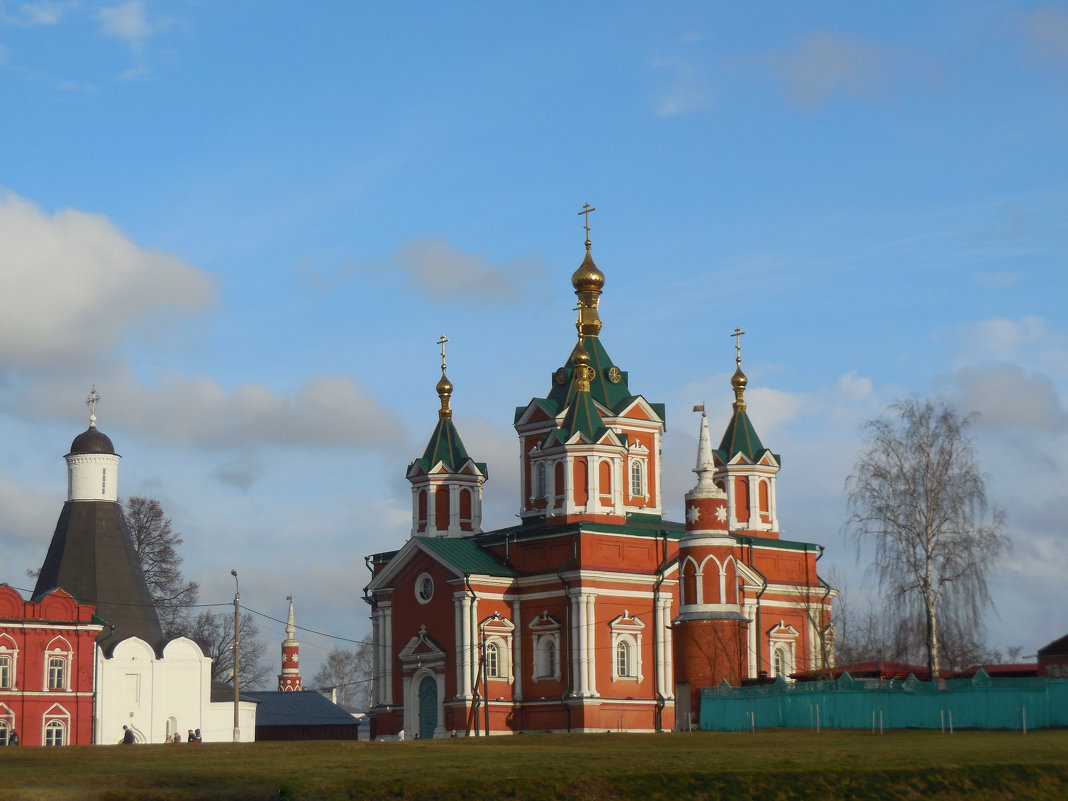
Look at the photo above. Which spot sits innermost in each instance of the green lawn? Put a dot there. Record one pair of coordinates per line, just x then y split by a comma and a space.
768, 765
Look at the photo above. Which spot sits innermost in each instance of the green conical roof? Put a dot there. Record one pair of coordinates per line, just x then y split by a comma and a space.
583, 416
741, 437
602, 389
446, 446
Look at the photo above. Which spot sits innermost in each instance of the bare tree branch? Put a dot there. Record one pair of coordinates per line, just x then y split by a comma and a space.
917, 496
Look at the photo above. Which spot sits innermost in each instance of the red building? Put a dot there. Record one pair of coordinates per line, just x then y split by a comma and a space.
574, 619
46, 668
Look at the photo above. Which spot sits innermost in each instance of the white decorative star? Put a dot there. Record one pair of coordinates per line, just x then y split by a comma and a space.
721, 513
693, 514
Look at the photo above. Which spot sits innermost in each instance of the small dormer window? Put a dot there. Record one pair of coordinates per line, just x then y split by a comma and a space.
539, 481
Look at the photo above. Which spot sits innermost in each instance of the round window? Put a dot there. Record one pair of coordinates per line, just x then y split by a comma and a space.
424, 588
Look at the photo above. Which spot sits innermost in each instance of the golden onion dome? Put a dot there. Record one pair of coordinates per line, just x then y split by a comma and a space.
579, 356
444, 385
738, 380
587, 276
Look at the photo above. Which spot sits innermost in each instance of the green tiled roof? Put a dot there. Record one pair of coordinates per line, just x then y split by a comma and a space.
741, 437
583, 416
603, 391
446, 446
465, 556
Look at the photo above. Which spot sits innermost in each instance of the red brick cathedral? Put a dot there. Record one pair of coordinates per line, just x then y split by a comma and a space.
593, 613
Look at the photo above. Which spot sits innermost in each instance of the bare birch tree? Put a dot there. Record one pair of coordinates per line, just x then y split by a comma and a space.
916, 495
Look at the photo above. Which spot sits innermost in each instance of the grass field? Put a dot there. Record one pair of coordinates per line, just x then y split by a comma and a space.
767, 765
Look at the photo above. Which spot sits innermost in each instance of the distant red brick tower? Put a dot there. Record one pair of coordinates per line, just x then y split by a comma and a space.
289, 679
710, 630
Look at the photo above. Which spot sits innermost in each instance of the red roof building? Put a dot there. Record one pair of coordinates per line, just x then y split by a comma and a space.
46, 668
594, 612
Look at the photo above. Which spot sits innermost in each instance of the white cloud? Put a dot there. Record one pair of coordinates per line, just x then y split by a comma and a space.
1007, 396
825, 65
33, 14
996, 280
852, 387
127, 21
999, 339
686, 91
444, 274
73, 282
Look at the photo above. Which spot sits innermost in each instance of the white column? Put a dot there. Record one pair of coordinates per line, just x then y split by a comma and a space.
517, 652
431, 509
591, 644
465, 647
667, 635
454, 508
732, 506
576, 645
387, 673
661, 634
458, 638
472, 628
773, 504
376, 662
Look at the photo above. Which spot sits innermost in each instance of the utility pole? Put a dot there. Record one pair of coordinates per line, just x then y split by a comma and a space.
237, 655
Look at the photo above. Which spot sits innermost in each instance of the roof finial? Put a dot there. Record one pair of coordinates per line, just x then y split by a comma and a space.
444, 386
588, 282
91, 402
291, 628
586, 209
738, 380
442, 342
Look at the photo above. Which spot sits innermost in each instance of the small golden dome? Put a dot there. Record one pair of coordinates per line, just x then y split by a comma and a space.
738, 380
579, 355
444, 385
587, 276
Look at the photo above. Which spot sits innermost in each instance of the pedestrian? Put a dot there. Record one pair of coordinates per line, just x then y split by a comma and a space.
13, 738
199, 738
190, 738
128, 736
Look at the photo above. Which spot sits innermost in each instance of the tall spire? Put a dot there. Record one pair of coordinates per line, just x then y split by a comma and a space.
705, 464
289, 679
588, 282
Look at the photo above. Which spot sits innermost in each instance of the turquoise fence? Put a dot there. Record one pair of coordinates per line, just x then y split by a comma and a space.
976, 703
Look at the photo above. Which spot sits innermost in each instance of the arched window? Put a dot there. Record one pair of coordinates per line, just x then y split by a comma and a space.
689, 582
421, 510
441, 508
55, 733
540, 490
558, 480
550, 658
623, 665
637, 478
6, 672
465, 507
778, 665
5, 732
493, 661
57, 673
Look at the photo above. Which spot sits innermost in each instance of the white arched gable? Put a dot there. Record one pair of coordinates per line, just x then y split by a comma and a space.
133, 648
182, 648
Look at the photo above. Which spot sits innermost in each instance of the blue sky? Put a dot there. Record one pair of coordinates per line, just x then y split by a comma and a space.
248, 223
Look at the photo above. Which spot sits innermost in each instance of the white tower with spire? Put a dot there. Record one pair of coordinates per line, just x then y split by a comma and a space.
92, 464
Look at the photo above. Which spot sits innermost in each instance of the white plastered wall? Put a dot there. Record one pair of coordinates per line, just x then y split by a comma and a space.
136, 689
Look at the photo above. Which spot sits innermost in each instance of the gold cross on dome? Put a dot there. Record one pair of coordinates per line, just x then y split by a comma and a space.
586, 209
738, 334
92, 401
442, 342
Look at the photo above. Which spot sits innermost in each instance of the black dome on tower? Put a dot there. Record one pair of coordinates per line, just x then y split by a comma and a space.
92, 440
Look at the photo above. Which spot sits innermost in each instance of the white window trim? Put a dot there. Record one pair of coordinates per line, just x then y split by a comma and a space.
628, 629
55, 651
